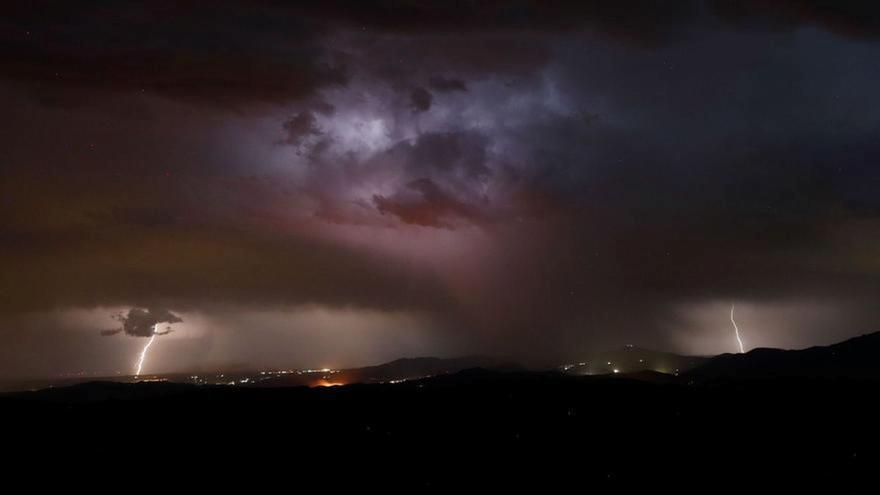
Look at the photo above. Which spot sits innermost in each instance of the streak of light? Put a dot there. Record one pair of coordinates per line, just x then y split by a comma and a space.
736, 330
143, 355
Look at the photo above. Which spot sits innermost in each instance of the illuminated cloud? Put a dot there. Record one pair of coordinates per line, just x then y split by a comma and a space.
143, 322
533, 181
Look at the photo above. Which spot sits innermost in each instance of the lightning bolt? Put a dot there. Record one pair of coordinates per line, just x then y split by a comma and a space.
140, 363
736, 329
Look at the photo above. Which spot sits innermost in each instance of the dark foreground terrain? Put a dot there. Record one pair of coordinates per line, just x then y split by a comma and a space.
759, 422
474, 428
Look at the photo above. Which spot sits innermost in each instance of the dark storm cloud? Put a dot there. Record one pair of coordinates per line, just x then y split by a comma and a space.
444, 84
247, 253
234, 54
858, 19
611, 162
423, 202
724, 201
642, 19
420, 100
646, 22
460, 155
299, 128
241, 53
439, 179
144, 322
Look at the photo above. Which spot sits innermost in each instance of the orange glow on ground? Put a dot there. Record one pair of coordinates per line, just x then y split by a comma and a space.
325, 383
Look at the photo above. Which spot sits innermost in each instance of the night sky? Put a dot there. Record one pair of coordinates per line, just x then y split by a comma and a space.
350, 182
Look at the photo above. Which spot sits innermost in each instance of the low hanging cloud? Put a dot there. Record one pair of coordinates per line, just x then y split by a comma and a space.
143, 322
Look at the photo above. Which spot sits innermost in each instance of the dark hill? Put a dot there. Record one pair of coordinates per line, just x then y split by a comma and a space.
858, 358
491, 430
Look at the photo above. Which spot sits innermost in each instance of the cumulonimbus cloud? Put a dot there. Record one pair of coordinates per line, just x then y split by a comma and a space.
143, 322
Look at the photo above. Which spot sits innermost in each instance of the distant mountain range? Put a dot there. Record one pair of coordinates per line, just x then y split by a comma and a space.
854, 359
858, 357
